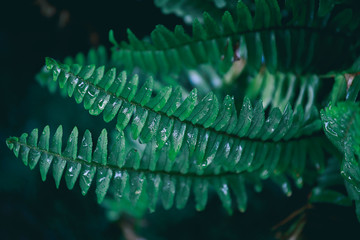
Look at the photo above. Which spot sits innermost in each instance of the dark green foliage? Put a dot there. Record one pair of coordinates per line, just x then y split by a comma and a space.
252, 96
280, 43
184, 137
341, 125
191, 124
328, 183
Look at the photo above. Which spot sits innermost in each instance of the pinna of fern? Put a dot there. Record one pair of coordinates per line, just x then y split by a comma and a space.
341, 125
281, 43
127, 173
98, 56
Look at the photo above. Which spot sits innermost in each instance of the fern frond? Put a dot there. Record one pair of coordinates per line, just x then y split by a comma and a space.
110, 168
130, 175
212, 134
96, 56
279, 43
341, 124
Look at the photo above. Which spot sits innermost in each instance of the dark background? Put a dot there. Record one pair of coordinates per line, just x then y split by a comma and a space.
31, 209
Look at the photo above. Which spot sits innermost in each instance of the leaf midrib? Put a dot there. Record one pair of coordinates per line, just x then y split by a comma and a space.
232, 35
117, 168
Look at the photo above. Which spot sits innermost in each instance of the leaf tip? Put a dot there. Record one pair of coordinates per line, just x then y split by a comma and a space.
112, 38
10, 142
49, 62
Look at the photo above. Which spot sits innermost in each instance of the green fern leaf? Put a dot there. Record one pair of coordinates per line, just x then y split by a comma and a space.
106, 167
305, 35
111, 172
96, 56
341, 125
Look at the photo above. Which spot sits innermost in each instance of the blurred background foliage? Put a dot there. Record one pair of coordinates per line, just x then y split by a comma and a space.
31, 209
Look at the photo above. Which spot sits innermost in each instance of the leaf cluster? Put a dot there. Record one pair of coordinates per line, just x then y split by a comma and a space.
257, 117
